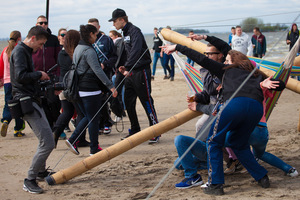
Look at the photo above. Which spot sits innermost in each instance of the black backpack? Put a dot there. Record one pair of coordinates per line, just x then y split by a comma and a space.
70, 82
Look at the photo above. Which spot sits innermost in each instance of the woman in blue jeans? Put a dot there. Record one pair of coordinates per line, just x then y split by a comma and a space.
240, 116
92, 81
15, 37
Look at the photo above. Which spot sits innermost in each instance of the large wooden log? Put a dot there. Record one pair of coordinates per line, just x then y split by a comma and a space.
178, 38
297, 61
121, 147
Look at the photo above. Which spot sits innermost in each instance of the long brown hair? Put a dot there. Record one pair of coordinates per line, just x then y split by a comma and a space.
13, 38
241, 61
71, 41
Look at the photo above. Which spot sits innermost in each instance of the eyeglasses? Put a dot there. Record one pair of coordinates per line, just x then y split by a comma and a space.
210, 53
63, 35
41, 23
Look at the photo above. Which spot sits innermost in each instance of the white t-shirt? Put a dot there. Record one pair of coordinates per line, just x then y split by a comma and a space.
242, 43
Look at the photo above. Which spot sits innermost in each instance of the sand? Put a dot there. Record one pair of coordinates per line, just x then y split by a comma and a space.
134, 174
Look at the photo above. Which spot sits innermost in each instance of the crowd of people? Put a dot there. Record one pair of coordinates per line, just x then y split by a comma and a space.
103, 61
33, 69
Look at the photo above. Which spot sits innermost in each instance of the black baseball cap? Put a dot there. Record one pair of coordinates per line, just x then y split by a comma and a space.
117, 13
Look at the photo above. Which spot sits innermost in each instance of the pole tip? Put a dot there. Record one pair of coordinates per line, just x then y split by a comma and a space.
50, 180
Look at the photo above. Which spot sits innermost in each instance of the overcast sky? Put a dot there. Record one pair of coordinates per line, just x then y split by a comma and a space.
216, 16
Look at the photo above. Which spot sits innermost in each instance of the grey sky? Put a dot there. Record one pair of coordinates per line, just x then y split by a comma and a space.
21, 15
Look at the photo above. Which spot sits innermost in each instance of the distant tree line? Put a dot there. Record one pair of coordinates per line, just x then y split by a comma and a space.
186, 31
249, 23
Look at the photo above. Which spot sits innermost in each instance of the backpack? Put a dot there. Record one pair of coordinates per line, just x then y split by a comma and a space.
70, 82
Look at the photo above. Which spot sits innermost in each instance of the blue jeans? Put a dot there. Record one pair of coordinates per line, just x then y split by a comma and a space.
258, 140
195, 159
89, 106
190, 61
156, 56
6, 113
166, 59
237, 121
113, 79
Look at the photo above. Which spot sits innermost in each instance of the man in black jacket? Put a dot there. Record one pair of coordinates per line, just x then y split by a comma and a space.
137, 71
24, 80
44, 59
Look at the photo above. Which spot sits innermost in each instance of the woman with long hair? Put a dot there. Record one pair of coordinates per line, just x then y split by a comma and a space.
92, 81
237, 120
65, 56
14, 38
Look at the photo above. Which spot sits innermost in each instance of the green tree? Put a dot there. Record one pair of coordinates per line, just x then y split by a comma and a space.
249, 23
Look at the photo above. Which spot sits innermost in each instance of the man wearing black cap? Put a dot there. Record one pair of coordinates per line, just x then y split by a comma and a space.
138, 72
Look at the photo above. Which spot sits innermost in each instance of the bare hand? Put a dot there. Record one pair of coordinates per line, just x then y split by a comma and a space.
125, 73
267, 83
122, 69
197, 37
168, 49
214, 113
102, 66
44, 76
192, 106
114, 92
190, 99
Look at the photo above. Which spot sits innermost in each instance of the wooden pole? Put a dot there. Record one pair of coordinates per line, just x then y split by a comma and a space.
178, 38
297, 61
121, 147
299, 123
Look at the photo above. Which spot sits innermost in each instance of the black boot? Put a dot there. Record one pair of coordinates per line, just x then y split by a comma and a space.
214, 189
264, 182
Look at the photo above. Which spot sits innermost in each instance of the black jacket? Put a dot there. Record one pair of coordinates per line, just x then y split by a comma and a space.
120, 51
293, 37
233, 77
24, 78
211, 82
157, 43
135, 46
65, 63
106, 53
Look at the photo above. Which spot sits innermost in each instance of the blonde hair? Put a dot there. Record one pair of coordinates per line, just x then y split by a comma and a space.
13, 38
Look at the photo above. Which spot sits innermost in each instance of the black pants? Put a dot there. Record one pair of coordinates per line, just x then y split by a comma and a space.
52, 109
105, 119
65, 117
138, 84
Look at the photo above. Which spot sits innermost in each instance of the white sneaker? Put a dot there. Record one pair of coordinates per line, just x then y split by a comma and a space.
205, 185
117, 119
292, 172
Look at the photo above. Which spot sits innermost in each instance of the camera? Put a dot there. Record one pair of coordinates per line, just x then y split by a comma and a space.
47, 87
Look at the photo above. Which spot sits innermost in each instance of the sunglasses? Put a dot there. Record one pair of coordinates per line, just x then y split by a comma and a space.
210, 53
63, 35
41, 23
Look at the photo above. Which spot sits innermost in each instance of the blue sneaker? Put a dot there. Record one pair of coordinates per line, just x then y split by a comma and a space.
63, 136
190, 182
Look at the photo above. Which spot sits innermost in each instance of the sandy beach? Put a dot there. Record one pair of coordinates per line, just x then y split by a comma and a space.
134, 174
